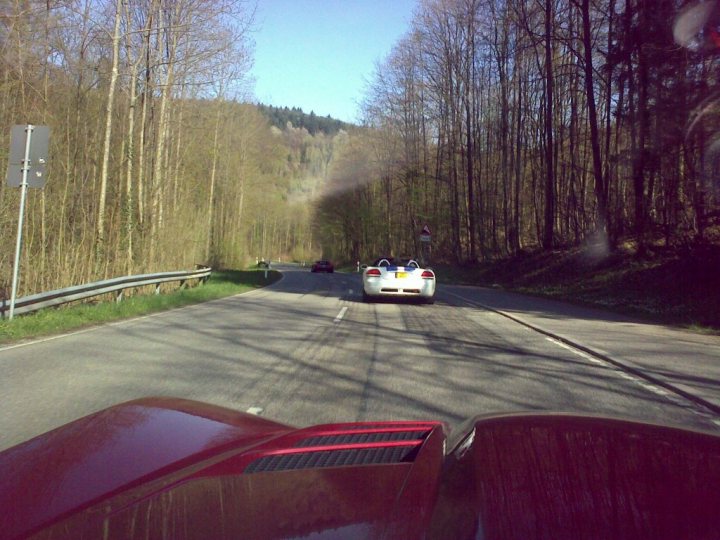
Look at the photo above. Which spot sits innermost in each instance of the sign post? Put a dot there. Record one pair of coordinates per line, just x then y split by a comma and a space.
425, 242
26, 168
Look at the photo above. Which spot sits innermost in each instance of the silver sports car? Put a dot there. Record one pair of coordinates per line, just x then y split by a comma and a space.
400, 278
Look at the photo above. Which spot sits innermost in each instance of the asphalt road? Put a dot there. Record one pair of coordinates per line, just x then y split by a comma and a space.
307, 350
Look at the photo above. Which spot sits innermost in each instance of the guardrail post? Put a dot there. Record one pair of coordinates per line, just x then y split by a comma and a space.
119, 297
157, 288
182, 284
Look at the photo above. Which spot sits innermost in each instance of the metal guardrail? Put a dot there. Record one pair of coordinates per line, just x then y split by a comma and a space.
34, 302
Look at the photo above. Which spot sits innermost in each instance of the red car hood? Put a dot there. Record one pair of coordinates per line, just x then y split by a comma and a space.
167, 468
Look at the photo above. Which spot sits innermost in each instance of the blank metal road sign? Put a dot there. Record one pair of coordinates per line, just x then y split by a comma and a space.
38, 155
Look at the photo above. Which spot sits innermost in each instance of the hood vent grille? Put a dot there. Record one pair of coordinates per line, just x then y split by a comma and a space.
346, 447
360, 438
331, 458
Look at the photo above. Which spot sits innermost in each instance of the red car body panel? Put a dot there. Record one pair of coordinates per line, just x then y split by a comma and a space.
126, 451
165, 468
556, 477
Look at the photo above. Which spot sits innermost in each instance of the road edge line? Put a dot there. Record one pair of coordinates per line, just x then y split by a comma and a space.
624, 367
94, 327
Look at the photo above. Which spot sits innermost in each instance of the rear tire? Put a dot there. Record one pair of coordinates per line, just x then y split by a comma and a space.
366, 297
430, 301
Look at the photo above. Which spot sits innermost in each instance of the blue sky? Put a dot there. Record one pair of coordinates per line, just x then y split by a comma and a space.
318, 54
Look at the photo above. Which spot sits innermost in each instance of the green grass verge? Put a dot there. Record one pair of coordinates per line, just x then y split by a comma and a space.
72, 317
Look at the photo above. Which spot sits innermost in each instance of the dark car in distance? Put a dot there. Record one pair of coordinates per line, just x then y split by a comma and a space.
322, 266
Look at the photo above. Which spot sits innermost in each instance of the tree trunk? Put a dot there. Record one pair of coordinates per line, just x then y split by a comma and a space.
600, 190
549, 221
100, 225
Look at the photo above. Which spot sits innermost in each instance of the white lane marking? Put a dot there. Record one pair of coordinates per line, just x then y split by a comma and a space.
646, 385
254, 410
670, 396
44, 340
340, 315
119, 322
573, 350
70, 333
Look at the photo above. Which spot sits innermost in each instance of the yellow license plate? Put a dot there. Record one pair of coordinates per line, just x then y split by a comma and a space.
400, 274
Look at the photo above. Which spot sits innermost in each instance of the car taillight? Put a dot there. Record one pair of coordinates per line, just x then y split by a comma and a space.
427, 274
373, 272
